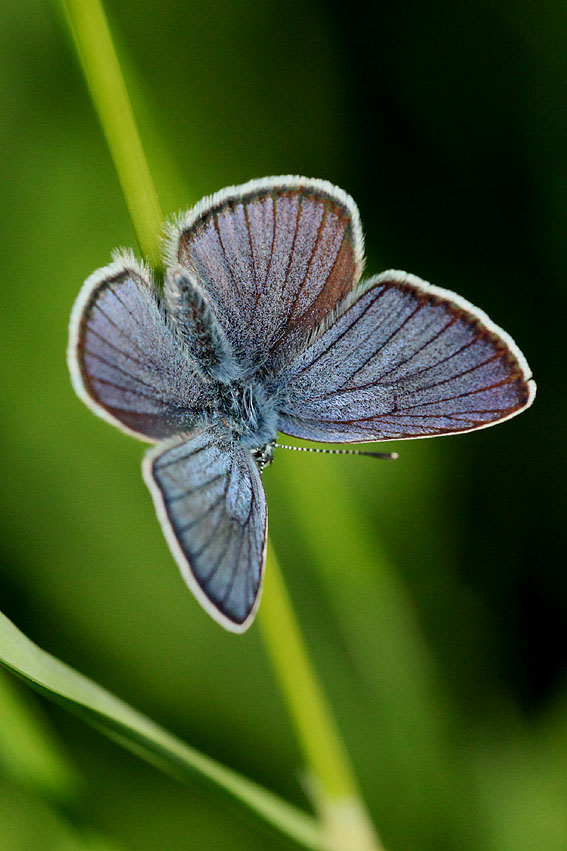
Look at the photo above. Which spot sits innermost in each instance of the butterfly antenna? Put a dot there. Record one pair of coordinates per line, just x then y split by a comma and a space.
385, 456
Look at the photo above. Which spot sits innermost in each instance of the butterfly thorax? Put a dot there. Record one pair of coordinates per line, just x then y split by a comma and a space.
237, 401
249, 414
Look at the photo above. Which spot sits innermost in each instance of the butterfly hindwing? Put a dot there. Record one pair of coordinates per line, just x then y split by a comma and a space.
125, 361
275, 256
211, 504
404, 360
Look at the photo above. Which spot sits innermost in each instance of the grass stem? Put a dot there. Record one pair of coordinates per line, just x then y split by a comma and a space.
101, 67
331, 780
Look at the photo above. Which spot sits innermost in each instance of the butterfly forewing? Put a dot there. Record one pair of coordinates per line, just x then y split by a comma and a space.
276, 256
125, 361
405, 360
211, 504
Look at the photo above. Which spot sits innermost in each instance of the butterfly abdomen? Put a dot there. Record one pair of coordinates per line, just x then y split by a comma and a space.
190, 314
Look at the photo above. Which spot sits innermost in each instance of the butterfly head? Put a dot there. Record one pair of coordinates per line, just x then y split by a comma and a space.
264, 455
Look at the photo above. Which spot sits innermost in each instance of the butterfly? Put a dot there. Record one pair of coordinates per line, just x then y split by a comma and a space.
263, 325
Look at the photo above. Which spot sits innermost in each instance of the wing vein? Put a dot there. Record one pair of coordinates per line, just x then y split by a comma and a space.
457, 375
225, 255
367, 360
182, 529
307, 271
341, 335
206, 579
108, 383
124, 334
418, 351
164, 464
269, 269
103, 360
194, 489
121, 352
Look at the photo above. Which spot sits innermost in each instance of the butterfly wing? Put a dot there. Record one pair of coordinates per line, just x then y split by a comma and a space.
125, 361
275, 256
212, 507
406, 359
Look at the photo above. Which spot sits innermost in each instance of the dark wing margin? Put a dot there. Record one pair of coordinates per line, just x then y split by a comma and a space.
211, 505
405, 359
276, 256
126, 363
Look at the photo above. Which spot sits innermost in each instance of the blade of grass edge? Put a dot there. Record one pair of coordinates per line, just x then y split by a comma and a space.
33, 759
139, 734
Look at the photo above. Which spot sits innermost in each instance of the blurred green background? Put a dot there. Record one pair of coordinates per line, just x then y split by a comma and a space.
432, 591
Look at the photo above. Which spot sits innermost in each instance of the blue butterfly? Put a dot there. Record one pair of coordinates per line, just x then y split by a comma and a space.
263, 325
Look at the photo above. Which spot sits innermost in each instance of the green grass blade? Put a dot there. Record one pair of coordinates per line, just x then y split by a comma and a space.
89, 28
148, 740
33, 758
28, 752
